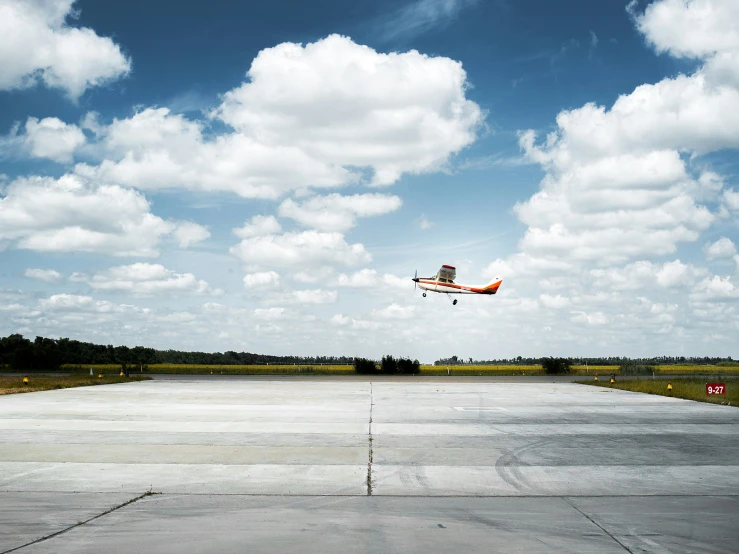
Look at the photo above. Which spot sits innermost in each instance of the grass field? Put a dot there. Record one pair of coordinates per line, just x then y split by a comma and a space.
14, 384
688, 388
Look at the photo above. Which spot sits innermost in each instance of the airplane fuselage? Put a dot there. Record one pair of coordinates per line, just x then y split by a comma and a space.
453, 288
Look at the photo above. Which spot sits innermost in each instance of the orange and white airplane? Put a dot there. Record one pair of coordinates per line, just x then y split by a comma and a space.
443, 282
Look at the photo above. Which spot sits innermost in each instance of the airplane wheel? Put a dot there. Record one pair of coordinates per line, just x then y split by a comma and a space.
424, 295
454, 303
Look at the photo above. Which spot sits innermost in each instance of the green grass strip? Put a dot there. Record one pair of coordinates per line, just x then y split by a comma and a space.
688, 388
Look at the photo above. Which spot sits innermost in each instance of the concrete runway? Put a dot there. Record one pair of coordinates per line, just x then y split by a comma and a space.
334, 465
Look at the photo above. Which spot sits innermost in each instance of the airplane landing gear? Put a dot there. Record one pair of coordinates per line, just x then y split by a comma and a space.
454, 303
424, 295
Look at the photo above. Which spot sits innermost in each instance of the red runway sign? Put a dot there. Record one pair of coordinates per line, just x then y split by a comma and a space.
715, 388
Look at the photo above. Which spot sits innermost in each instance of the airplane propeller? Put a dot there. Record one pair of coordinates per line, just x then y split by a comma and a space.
415, 281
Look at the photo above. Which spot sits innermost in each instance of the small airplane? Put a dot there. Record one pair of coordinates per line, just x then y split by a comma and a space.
443, 282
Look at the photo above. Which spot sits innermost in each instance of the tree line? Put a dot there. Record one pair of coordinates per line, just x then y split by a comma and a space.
602, 360
49, 354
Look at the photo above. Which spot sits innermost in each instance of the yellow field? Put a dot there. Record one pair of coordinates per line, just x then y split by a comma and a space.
425, 369
706, 369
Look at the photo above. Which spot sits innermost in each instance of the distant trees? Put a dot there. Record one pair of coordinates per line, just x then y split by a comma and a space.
48, 354
556, 366
603, 360
364, 366
388, 366
22, 354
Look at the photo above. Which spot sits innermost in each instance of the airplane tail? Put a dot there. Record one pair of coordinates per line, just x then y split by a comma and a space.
494, 285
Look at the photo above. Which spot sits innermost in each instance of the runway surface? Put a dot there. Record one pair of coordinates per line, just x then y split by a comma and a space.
332, 465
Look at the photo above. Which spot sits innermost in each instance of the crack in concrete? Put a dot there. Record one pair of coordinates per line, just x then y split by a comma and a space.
80, 523
598, 525
369, 463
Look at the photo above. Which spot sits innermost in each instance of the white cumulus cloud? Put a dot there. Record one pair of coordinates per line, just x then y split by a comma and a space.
321, 115
71, 215
618, 186
38, 45
722, 248
188, 233
257, 226
155, 149
145, 279
52, 138
309, 248
336, 212
48, 275
79, 303
264, 279
361, 279
315, 296
269, 313
346, 104
396, 311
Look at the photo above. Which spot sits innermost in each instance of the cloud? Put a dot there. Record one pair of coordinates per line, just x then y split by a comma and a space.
158, 150
315, 275
420, 16
593, 40
556, 302
395, 311
336, 212
316, 296
594, 318
361, 279
145, 279
257, 226
397, 283
347, 105
265, 279
722, 248
71, 215
52, 138
731, 199
39, 46
188, 233
73, 302
676, 273
523, 264
270, 314
716, 289
309, 248
339, 319
48, 275
619, 183
327, 114
690, 29
645, 274
424, 223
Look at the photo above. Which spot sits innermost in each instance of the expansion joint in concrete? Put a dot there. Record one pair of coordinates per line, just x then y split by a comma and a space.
598, 525
369, 463
80, 523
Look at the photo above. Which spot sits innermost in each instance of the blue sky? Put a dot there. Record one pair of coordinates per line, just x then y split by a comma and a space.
370, 140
